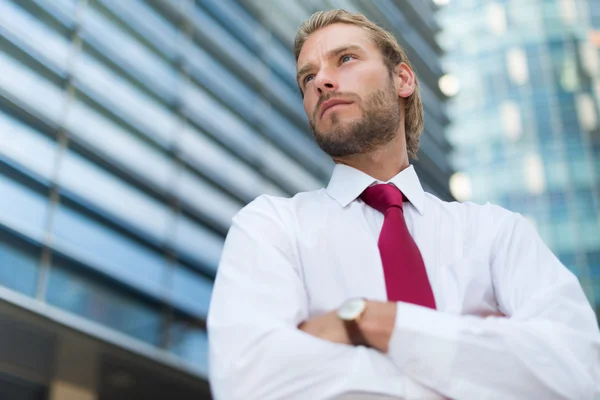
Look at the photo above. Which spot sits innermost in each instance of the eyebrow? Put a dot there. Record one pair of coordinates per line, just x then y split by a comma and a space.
330, 54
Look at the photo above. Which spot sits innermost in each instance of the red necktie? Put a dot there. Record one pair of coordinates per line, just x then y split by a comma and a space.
403, 267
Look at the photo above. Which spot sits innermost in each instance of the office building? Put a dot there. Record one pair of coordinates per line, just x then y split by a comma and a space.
525, 118
130, 134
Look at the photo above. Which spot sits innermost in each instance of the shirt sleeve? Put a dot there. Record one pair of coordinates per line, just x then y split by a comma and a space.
547, 348
255, 348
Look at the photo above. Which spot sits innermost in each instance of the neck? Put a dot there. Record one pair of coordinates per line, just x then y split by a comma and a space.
382, 163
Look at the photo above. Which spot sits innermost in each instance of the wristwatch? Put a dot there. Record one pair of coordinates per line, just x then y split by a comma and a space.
350, 313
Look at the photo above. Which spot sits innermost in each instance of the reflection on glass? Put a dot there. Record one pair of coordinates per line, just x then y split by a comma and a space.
124, 99
18, 266
130, 53
21, 208
200, 195
63, 10
149, 23
113, 195
220, 122
209, 30
118, 144
198, 243
26, 146
190, 342
210, 158
89, 298
30, 89
47, 42
248, 30
97, 245
191, 291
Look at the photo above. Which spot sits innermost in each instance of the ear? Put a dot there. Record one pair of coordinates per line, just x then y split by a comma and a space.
405, 80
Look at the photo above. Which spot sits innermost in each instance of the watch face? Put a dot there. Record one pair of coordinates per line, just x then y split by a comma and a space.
351, 309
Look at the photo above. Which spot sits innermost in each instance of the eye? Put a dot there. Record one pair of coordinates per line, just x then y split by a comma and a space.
308, 78
346, 57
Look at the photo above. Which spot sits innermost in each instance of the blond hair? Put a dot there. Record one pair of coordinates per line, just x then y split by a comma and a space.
392, 53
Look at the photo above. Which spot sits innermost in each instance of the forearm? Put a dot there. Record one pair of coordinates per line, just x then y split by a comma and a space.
466, 357
285, 363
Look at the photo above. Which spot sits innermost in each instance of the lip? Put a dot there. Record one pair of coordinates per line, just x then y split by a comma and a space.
332, 102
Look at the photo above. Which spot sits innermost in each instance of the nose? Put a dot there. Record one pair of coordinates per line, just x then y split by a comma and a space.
325, 82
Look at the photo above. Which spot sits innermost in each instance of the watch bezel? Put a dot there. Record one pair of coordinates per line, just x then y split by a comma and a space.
352, 309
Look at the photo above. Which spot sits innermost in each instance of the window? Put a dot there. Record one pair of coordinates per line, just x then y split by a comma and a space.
31, 90
89, 297
18, 265
122, 201
190, 342
198, 243
496, 14
197, 194
534, 174
22, 209
586, 112
28, 32
27, 147
517, 66
118, 144
191, 291
109, 251
212, 160
125, 100
129, 53
149, 23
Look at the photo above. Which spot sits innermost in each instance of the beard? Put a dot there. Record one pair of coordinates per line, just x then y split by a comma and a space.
377, 126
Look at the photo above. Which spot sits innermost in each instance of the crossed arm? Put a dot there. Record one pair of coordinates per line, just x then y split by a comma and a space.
548, 347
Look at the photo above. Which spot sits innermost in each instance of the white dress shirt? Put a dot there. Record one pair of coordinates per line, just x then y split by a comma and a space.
287, 260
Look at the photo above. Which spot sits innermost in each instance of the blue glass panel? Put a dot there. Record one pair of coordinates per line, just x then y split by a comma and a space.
22, 209
109, 251
149, 23
18, 266
593, 260
30, 149
111, 195
118, 144
199, 195
124, 99
62, 10
129, 53
34, 37
19, 82
214, 161
190, 343
198, 243
91, 299
191, 291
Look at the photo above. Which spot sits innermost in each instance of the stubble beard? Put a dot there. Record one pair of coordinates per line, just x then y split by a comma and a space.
377, 126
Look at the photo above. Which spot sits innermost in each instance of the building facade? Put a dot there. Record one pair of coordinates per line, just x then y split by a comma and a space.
130, 134
526, 118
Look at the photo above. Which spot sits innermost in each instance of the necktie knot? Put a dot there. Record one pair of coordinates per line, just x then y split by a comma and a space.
382, 196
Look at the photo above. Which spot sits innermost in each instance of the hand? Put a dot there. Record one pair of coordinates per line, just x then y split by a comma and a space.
377, 324
328, 327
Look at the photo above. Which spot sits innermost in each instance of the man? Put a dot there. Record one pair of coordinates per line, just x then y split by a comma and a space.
374, 287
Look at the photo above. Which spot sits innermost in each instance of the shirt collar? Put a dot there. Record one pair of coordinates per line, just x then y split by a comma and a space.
347, 183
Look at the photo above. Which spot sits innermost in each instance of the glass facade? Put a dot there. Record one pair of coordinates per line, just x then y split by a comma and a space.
132, 131
526, 119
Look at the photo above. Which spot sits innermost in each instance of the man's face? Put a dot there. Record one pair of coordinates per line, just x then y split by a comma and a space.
350, 96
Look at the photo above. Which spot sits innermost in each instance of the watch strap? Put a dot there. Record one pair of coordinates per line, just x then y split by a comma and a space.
354, 333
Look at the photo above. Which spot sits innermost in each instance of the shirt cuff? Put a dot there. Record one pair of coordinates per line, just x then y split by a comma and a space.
424, 341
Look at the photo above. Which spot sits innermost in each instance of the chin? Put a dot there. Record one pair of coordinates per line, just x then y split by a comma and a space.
338, 119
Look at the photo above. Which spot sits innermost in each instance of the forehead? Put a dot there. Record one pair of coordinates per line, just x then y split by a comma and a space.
332, 37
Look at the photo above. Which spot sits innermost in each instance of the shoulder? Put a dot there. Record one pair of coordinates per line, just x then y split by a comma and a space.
278, 210
480, 223
471, 212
